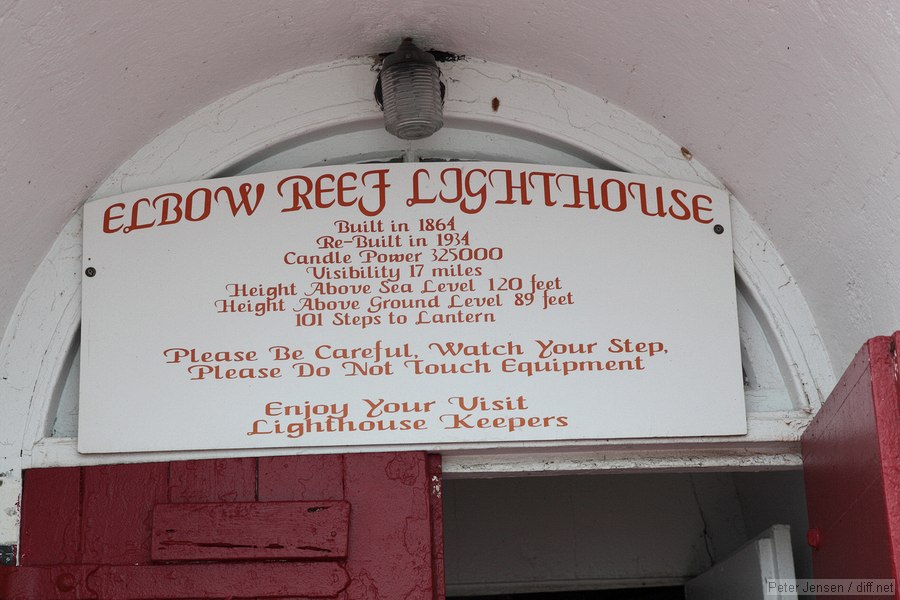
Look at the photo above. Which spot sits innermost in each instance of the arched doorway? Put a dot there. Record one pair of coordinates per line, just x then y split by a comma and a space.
534, 120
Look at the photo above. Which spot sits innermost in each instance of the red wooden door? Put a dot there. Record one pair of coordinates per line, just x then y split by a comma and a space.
851, 463
356, 526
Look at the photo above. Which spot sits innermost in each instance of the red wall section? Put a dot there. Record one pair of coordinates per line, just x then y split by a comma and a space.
851, 458
89, 532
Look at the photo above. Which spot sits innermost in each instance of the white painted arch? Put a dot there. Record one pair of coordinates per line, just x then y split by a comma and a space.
311, 111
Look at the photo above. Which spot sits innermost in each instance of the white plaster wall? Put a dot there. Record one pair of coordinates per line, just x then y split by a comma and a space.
792, 104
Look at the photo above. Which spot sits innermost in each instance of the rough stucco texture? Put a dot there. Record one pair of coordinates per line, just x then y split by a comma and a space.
792, 104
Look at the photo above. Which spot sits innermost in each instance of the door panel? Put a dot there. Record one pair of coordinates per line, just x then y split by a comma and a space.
301, 477
250, 530
226, 480
56, 540
851, 464
117, 501
212, 581
361, 526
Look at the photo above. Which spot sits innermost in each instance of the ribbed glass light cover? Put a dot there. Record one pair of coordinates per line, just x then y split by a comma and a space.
411, 94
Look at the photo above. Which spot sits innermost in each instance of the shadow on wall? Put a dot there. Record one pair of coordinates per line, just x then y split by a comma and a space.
618, 531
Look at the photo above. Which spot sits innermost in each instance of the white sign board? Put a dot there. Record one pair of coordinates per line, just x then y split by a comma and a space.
408, 304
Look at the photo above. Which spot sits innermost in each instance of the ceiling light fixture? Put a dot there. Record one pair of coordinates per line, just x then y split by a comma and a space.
410, 92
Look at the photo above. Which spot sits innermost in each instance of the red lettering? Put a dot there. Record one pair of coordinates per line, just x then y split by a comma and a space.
480, 193
698, 208
623, 199
578, 192
322, 189
678, 197
343, 188
521, 189
458, 184
244, 203
108, 218
135, 211
381, 185
166, 207
298, 199
189, 204
660, 209
416, 197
